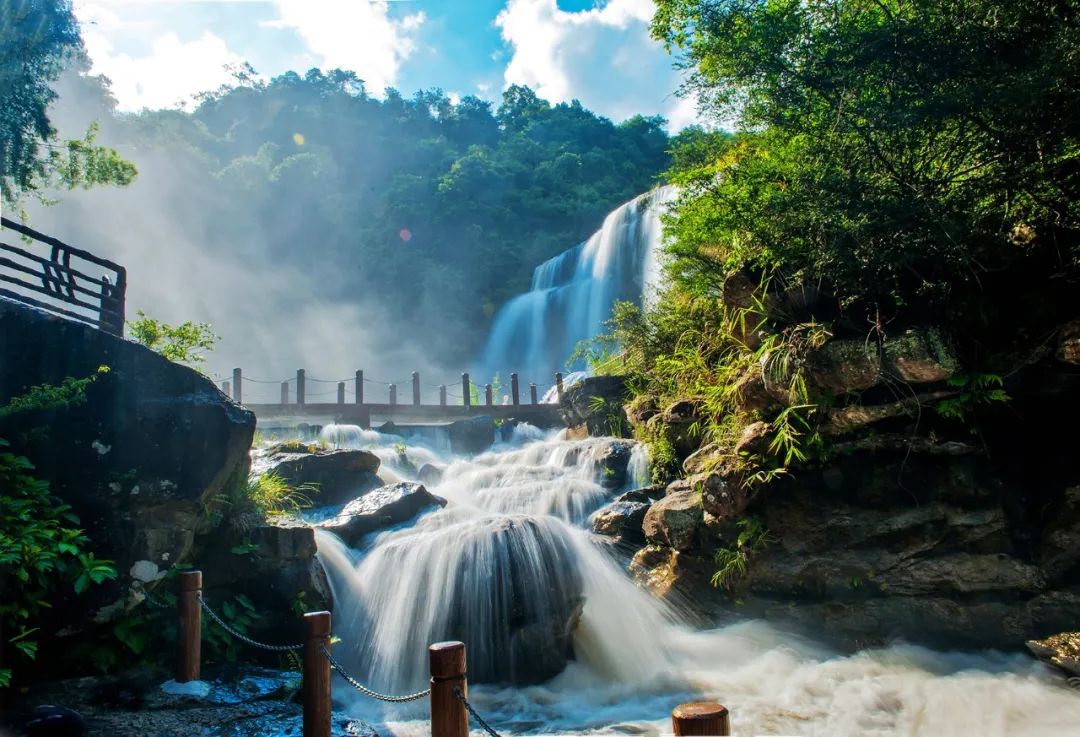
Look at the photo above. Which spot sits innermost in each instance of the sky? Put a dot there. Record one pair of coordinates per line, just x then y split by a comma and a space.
158, 53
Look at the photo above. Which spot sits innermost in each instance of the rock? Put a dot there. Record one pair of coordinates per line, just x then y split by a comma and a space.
471, 436
1068, 349
188, 689
1062, 650
1060, 554
55, 721
752, 394
680, 424
337, 475
675, 520
597, 402
754, 439
612, 461
430, 474
724, 494
641, 409
921, 356
621, 520
701, 458
670, 574
149, 461
380, 509
844, 367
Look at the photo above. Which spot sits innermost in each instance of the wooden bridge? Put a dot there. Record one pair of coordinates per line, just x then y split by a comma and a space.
294, 404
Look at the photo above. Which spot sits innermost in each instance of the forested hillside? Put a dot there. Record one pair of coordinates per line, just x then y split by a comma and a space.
431, 210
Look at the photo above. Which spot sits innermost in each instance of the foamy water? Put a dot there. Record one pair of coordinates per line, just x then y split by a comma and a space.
526, 505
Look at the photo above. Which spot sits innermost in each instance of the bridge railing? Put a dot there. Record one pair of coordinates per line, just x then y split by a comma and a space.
297, 391
51, 275
447, 690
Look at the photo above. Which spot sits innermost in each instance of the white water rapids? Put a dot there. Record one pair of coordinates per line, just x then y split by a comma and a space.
510, 549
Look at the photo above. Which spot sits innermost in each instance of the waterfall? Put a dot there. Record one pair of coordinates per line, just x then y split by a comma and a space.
560, 641
572, 294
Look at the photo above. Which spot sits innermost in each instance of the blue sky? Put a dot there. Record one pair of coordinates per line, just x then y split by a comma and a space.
158, 53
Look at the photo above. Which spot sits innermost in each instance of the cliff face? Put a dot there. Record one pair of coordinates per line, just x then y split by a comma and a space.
151, 459
954, 534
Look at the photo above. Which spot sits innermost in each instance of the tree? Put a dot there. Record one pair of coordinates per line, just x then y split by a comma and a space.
37, 39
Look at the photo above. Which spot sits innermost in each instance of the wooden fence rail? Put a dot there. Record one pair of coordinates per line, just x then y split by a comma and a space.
449, 688
61, 278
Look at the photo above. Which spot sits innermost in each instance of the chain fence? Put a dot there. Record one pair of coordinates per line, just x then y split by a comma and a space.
367, 691
244, 638
479, 719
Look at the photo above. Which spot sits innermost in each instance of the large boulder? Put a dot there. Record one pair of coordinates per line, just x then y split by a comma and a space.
474, 435
611, 461
154, 456
622, 520
336, 476
921, 356
380, 509
597, 403
1062, 650
844, 367
675, 520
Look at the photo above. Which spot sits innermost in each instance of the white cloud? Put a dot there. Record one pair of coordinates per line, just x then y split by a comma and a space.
360, 36
602, 56
171, 73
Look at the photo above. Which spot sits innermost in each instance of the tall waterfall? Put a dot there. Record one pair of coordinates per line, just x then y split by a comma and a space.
572, 294
509, 567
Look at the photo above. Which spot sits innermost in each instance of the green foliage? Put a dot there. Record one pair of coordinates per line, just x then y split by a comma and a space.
70, 392
239, 613
273, 496
975, 390
42, 552
731, 562
897, 151
38, 38
182, 343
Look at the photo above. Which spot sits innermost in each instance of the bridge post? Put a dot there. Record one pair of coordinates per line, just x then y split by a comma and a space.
487, 394
341, 392
359, 387
284, 393
190, 620
700, 719
558, 386
416, 388
316, 678
236, 386
466, 391
515, 394
393, 394
442, 395
448, 715
532, 393
300, 388
226, 388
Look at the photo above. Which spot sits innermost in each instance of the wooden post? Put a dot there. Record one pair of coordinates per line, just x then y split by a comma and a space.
466, 391
532, 393
190, 631
515, 394
341, 392
284, 392
300, 389
393, 394
416, 388
226, 387
442, 395
558, 386
487, 394
359, 387
448, 715
700, 719
237, 389
316, 679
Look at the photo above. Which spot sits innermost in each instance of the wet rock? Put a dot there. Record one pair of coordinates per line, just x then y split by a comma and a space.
471, 436
612, 463
844, 366
430, 473
920, 356
55, 721
1060, 557
675, 520
667, 573
1062, 650
338, 475
1068, 349
380, 509
621, 520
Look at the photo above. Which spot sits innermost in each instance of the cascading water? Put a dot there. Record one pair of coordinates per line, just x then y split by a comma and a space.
509, 568
572, 294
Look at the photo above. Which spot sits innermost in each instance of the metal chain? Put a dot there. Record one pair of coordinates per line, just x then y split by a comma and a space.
153, 601
244, 638
367, 691
479, 719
